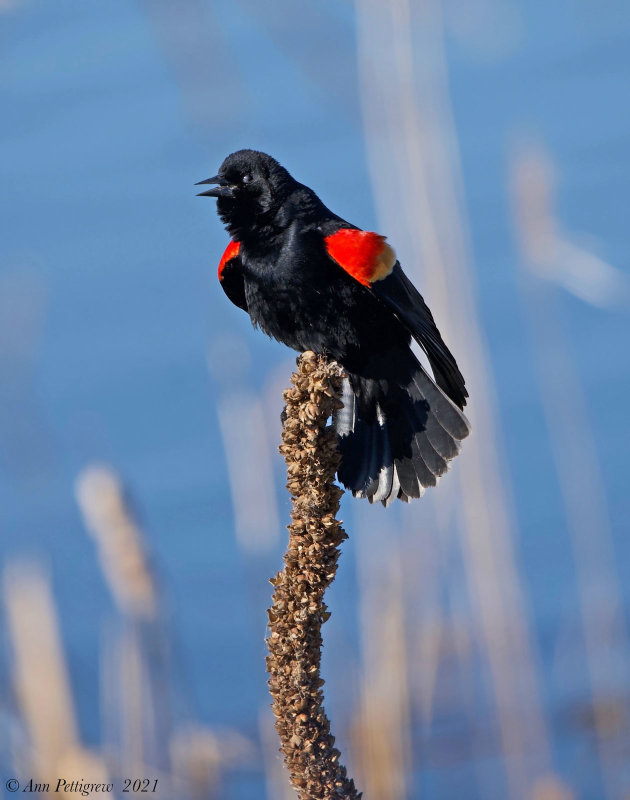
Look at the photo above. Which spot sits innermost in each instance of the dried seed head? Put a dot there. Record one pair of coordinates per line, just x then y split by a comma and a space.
298, 610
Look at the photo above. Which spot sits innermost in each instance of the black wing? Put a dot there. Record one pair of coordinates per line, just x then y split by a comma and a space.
406, 301
232, 282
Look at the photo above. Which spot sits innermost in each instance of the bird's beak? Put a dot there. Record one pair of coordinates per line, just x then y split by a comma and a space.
224, 189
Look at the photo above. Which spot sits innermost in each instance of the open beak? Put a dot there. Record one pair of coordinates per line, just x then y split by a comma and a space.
224, 189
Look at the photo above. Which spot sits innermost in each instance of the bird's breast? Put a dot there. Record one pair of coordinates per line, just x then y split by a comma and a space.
287, 290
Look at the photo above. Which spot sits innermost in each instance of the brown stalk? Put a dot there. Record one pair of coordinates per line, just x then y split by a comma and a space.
298, 610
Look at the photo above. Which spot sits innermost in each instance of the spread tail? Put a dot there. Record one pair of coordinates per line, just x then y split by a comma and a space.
396, 435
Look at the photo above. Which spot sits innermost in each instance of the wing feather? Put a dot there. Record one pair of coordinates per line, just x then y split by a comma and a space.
368, 258
231, 275
408, 304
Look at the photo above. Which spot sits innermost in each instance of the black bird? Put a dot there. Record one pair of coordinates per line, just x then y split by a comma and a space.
313, 281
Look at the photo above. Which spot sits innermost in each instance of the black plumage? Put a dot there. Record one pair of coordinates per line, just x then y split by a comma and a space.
315, 282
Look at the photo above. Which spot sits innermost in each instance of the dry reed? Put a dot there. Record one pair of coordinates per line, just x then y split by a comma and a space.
120, 542
42, 684
298, 609
381, 732
413, 156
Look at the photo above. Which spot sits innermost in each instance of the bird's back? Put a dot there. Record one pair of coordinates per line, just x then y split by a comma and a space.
297, 295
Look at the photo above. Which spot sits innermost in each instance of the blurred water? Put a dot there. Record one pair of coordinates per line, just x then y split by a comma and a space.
108, 296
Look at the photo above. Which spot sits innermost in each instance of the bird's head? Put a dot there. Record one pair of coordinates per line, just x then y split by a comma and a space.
250, 188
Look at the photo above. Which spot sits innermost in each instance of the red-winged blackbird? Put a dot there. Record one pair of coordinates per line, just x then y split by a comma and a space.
315, 282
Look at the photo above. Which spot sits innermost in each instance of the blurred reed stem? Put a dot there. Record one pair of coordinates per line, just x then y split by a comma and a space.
381, 733
575, 452
413, 154
40, 674
42, 684
120, 542
138, 695
298, 609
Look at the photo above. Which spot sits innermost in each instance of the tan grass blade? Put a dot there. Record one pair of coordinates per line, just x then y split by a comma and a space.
575, 453
381, 731
196, 762
42, 684
413, 157
550, 787
40, 673
120, 544
244, 431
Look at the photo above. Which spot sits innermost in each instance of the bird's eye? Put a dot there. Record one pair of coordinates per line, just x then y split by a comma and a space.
247, 178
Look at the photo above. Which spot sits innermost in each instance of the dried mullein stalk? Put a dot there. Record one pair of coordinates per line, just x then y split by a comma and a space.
298, 609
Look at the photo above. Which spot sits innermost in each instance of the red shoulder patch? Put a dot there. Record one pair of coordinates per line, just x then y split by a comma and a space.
231, 251
363, 254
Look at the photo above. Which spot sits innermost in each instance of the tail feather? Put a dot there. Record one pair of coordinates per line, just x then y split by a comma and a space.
395, 492
432, 457
409, 484
422, 458
345, 417
356, 459
397, 435
400, 428
446, 446
417, 459
375, 459
444, 411
386, 471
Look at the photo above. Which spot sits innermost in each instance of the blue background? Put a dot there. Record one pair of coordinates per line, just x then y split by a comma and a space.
109, 301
